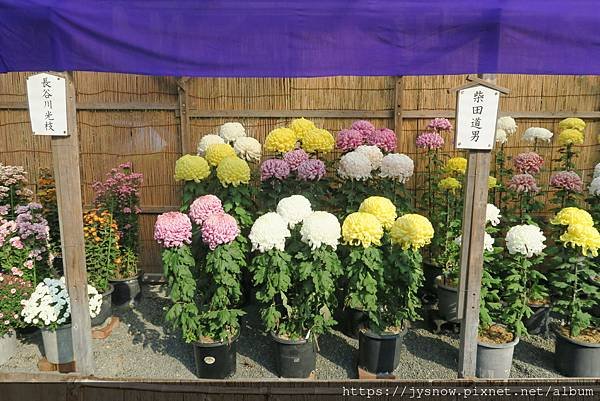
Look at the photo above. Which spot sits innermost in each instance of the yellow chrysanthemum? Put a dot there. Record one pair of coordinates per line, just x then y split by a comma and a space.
233, 171
281, 140
412, 231
456, 165
492, 182
587, 237
449, 184
572, 215
380, 207
301, 126
191, 168
217, 152
570, 136
572, 123
318, 140
362, 229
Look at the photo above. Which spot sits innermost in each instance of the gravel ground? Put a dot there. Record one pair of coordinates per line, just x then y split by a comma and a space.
143, 347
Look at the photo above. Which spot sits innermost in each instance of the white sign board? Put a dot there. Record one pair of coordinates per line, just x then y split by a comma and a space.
476, 115
47, 97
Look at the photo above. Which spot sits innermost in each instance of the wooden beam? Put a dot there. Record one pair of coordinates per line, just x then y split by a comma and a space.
65, 157
290, 113
184, 120
398, 105
100, 106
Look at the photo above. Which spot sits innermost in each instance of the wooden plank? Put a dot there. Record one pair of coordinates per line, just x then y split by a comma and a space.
65, 156
98, 106
398, 107
290, 114
184, 120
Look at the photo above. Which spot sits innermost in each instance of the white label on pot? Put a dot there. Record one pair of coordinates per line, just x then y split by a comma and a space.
209, 360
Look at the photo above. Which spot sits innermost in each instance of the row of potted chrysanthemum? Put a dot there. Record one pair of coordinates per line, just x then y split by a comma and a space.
296, 264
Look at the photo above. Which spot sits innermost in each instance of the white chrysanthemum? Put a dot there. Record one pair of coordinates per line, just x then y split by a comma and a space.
525, 239
321, 228
595, 186
247, 148
533, 133
294, 209
355, 166
508, 124
488, 242
231, 131
492, 215
398, 167
501, 136
206, 141
268, 232
597, 171
373, 153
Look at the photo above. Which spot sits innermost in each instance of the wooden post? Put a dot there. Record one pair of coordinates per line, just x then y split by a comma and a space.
184, 118
398, 106
65, 156
471, 264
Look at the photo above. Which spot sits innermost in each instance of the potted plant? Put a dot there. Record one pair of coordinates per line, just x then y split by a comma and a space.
102, 257
204, 296
505, 299
13, 290
397, 302
119, 193
578, 334
49, 308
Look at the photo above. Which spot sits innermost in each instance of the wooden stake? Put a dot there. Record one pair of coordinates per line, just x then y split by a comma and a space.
184, 115
471, 264
65, 156
398, 106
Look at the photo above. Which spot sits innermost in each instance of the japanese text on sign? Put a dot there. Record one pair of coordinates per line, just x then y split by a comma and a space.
476, 117
46, 95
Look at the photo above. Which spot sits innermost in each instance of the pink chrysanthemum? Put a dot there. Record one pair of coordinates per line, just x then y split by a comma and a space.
364, 127
430, 140
274, 168
349, 139
568, 180
384, 139
173, 229
294, 158
203, 207
528, 162
439, 124
218, 229
523, 183
311, 170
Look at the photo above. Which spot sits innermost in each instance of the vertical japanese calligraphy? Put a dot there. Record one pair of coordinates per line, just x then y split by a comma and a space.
476, 117
46, 95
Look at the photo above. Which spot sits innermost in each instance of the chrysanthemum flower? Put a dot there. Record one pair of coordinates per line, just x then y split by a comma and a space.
450, 184
456, 165
533, 133
319, 229
301, 126
318, 140
191, 168
570, 137
204, 206
492, 182
398, 167
274, 168
384, 138
380, 207
364, 127
439, 124
595, 187
219, 229
508, 124
572, 215
217, 152
501, 136
295, 157
206, 141
492, 214
269, 231
281, 140
584, 236
572, 123
567, 180
355, 166
248, 148
373, 153
230, 132
294, 209
523, 183
412, 231
349, 139
362, 229
173, 229
528, 162
430, 140
311, 170
233, 171
526, 239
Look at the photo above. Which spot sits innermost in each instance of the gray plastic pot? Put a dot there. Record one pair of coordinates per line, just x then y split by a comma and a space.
8, 346
575, 358
58, 344
105, 307
447, 300
494, 361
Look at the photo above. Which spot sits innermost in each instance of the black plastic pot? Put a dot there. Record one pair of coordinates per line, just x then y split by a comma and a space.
354, 321
575, 358
295, 358
127, 290
216, 360
379, 353
538, 322
430, 272
447, 300
105, 307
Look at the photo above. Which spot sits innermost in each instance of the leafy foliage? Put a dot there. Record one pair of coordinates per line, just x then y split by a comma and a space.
364, 270
102, 250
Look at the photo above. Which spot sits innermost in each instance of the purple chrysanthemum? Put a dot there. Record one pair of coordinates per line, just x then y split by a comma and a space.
567, 180
384, 139
364, 127
430, 140
295, 157
439, 124
311, 170
220, 228
203, 207
523, 183
349, 139
173, 229
528, 162
274, 168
